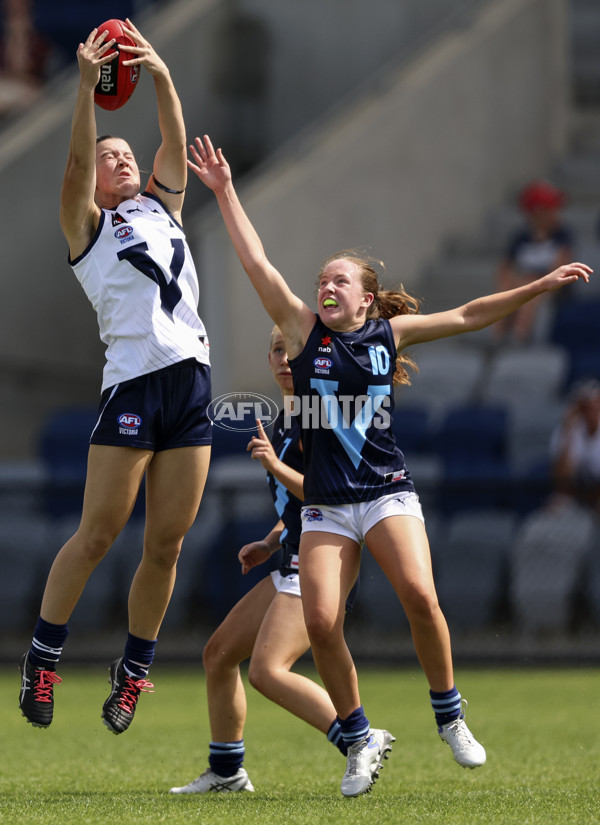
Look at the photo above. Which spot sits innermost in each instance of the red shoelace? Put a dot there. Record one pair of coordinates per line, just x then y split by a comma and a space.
131, 691
42, 689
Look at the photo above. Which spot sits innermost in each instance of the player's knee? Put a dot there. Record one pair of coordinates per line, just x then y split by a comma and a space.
256, 676
93, 545
421, 605
215, 657
263, 677
322, 627
162, 554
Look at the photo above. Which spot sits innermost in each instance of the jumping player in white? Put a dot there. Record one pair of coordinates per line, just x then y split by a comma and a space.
267, 624
357, 487
129, 252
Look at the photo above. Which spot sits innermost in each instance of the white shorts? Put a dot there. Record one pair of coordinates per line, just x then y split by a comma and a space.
286, 584
355, 520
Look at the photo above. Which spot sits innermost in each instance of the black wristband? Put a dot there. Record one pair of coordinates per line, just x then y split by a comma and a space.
166, 188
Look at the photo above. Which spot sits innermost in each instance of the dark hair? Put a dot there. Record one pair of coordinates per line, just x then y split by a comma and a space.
103, 137
387, 303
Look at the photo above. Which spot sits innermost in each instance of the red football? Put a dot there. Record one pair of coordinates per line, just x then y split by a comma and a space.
117, 81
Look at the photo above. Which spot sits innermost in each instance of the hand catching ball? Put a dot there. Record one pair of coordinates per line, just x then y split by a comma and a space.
117, 82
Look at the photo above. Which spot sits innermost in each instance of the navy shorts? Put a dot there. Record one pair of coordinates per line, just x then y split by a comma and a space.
158, 411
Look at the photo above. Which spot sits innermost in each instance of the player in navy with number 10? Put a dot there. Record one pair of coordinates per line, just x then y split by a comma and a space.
129, 252
344, 362
267, 624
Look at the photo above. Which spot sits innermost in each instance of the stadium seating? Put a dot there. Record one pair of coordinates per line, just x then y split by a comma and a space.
472, 443
530, 427
585, 364
63, 448
576, 326
26, 552
470, 567
548, 556
412, 428
526, 375
449, 374
97, 606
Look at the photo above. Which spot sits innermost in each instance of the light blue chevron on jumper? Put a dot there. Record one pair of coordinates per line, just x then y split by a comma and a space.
282, 494
351, 435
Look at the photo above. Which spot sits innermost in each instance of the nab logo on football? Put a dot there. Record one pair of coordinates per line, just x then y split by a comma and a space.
108, 79
129, 421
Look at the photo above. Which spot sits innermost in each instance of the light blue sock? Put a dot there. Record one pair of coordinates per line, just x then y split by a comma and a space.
334, 735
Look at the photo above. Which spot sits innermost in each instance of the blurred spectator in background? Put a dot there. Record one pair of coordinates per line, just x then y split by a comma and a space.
541, 245
23, 54
575, 447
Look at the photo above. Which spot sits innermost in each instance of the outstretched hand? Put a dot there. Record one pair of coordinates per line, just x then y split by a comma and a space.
567, 274
142, 54
210, 166
93, 54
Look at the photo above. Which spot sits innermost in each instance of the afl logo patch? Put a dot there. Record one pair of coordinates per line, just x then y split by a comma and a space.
129, 421
312, 514
322, 365
124, 233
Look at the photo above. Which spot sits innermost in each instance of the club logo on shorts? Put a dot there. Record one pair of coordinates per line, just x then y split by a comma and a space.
129, 424
312, 514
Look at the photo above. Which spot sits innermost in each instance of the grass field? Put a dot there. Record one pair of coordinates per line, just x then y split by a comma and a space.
541, 729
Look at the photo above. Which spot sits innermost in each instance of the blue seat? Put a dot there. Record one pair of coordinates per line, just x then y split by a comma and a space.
64, 440
532, 487
585, 364
411, 428
472, 442
63, 448
577, 326
474, 435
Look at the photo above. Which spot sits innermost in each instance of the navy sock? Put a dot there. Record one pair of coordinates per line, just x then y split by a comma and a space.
355, 727
47, 644
334, 735
446, 705
138, 656
226, 758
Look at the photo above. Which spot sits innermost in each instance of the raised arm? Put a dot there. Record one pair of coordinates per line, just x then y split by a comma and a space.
170, 167
292, 316
79, 213
481, 312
